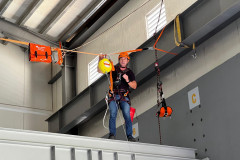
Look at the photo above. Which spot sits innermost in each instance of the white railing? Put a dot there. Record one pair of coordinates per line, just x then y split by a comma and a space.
32, 145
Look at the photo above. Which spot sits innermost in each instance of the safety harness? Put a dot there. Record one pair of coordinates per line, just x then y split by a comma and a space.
121, 92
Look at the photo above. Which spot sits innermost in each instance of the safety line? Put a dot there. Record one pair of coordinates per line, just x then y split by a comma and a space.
154, 46
95, 54
158, 69
15, 41
130, 51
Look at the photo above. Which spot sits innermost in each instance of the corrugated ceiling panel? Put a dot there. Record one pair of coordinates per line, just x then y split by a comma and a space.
16, 9
41, 13
68, 17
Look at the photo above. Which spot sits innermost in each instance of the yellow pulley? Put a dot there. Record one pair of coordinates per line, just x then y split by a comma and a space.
105, 65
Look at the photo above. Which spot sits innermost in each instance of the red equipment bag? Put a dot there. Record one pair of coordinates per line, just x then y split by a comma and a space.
132, 112
165, 111
40, 53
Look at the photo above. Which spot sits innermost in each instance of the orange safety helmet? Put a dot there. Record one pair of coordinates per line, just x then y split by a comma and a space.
124, 54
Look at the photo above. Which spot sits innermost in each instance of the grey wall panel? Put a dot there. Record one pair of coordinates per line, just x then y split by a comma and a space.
12, 75
221, 110
78, 107
35, 122
10, 119
211, 128
200, 18
38, 93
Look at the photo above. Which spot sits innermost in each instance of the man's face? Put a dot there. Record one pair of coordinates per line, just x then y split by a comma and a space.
123, 61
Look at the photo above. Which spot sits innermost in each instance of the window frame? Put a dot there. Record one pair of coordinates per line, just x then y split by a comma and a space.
93, 71
162, 21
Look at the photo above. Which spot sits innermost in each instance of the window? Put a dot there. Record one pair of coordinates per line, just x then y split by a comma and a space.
152, 19
93, 74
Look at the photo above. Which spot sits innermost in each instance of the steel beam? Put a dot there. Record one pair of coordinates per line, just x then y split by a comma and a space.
10, 36
68, 78
55, 78
56, 17
4, 6
144, 71
18, 31
29, 11
4, 42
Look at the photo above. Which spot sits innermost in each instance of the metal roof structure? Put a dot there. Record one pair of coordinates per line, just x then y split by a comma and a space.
55, 20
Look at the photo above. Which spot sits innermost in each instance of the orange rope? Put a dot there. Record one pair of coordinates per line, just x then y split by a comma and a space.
15, 41
154, 46
27, 43
80, 52
129, 51
111, 82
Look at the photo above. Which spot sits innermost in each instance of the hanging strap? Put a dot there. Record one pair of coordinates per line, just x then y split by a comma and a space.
178, 36
178, 33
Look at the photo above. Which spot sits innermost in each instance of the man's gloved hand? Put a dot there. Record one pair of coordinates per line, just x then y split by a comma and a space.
101, 56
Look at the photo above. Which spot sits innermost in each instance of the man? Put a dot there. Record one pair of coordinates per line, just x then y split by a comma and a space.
123, 79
